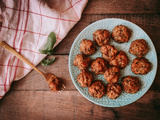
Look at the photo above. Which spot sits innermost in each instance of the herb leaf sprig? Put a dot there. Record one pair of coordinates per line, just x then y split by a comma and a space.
48, 49
46, 62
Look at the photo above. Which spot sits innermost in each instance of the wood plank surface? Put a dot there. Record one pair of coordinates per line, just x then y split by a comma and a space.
149, 23
34, 81
116, 6
125, 6
71, 105
30, 97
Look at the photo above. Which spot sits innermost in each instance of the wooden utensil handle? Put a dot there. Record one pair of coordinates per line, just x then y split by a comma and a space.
10, 49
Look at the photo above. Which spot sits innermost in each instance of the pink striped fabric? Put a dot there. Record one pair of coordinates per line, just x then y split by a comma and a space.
25, 25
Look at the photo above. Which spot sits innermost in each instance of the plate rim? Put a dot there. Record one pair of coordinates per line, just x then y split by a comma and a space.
156, 64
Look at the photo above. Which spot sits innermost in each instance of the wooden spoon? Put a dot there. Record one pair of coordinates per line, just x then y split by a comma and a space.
54, 83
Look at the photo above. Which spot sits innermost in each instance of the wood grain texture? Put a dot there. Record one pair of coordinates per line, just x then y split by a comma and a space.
30, 97
71, 105
149, 23
35, 81
123, 7
114, 6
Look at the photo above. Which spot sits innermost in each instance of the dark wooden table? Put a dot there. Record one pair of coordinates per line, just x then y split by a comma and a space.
30, 98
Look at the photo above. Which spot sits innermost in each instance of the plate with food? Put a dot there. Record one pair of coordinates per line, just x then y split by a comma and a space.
112, 62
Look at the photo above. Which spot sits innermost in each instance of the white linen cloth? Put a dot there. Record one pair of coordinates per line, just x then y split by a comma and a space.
25, 25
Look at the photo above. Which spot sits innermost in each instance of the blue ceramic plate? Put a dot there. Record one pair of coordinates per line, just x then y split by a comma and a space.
137, 33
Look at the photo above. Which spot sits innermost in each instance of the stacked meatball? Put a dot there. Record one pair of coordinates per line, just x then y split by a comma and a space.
111, 63
140, 65
98, 66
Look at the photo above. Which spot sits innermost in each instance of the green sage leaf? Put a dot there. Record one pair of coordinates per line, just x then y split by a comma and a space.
46, 62
51, 40
43, 51
48, 49
48, 52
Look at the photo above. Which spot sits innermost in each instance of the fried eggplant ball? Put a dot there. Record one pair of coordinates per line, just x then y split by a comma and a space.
140, 66
97, 89
109, 52
54, 83
121, 34
85, 78
130, 84
101, 37
121, 60
99, 66
81, 61
113, 90
87, 47
138, 48
112, 75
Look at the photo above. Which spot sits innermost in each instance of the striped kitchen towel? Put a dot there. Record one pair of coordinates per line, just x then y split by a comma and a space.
25, 25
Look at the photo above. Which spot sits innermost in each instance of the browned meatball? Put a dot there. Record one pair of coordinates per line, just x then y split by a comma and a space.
81, 61
121, 34
138, 48
140, 66
101, 37
99, 65
113, 90
130, 84
97, 89
109, 52
112, 74
87, 47
54, 84
85, 78
121, 60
